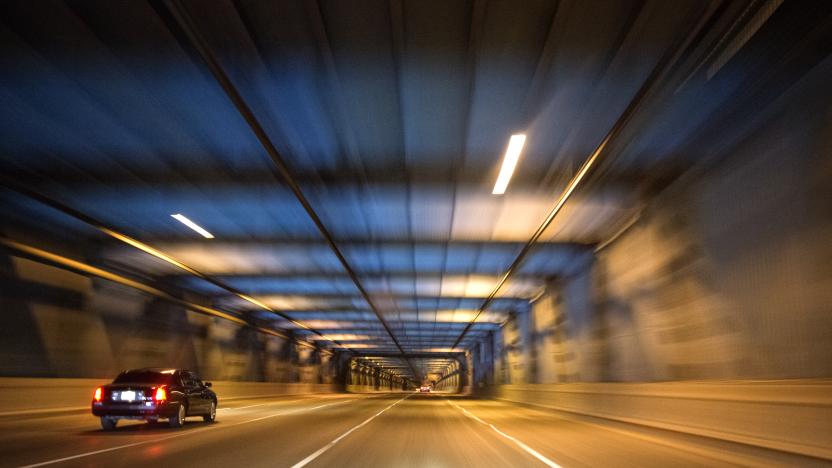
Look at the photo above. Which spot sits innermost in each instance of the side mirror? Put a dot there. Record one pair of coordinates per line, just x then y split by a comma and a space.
207, 384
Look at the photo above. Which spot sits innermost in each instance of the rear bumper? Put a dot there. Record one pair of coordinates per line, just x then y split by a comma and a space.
136, 411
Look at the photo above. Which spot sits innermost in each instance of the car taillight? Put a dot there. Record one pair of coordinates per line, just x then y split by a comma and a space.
97, 395
160, 395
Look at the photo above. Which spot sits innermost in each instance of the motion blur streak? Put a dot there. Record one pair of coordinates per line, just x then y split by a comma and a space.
651, 289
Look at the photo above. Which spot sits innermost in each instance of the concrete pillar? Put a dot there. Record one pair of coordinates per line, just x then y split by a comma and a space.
529, 346
23, 351
469, 372
287, 361
318, 361
483, 369
341, 364
500, 366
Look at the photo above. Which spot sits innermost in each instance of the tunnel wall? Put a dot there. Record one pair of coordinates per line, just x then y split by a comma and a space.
452, 379
712, 313
787, 415
726, 274
56, 323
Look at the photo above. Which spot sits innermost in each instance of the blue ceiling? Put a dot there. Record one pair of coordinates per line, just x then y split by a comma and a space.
392, 117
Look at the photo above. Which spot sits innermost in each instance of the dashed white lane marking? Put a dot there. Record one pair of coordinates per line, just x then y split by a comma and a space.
180, 434
328, 446
516, 441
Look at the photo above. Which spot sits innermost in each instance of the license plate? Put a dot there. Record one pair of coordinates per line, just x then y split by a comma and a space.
127, 395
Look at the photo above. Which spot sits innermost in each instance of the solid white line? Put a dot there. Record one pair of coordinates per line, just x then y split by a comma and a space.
328, 446
528, 449
180, 434
516, 441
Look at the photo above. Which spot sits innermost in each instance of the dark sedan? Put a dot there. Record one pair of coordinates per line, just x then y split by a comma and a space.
152, 394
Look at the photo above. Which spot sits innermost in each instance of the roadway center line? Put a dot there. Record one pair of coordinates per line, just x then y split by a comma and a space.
180, 434
516, 441
328, 446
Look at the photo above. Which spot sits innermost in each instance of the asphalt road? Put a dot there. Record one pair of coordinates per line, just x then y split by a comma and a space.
353, 431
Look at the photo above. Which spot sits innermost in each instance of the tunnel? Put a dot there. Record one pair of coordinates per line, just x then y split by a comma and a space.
415, 233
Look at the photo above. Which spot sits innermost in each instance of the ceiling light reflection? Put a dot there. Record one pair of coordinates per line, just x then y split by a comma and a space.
187, 222
515, 146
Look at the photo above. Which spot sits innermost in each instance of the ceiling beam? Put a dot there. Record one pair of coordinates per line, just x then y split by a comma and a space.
183, 19
349, 244
370, 355
515, 300
394, 275
362, 328
220, 179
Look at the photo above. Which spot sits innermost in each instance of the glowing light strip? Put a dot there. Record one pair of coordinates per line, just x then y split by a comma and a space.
196, 227
515, 146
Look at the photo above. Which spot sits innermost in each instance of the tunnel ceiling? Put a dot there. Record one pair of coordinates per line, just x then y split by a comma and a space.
392, 117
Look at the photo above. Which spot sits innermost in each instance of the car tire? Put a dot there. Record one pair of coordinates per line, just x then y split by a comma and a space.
212, 413
179, 419
108, 424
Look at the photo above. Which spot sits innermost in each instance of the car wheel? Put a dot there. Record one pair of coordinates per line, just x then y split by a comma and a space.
179, 419
108, 424
212, 413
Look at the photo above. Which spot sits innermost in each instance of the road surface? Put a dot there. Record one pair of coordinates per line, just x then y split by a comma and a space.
395, 430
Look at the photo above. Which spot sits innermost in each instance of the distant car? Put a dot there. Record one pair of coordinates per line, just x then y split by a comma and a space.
152, 394
424, 389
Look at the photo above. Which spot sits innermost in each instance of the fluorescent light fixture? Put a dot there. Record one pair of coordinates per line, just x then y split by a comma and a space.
515, 146
187, 222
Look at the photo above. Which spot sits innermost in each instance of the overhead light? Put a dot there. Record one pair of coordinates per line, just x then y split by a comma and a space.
515, 146
196, 227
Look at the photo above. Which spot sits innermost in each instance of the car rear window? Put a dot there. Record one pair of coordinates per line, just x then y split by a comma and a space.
148, 377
